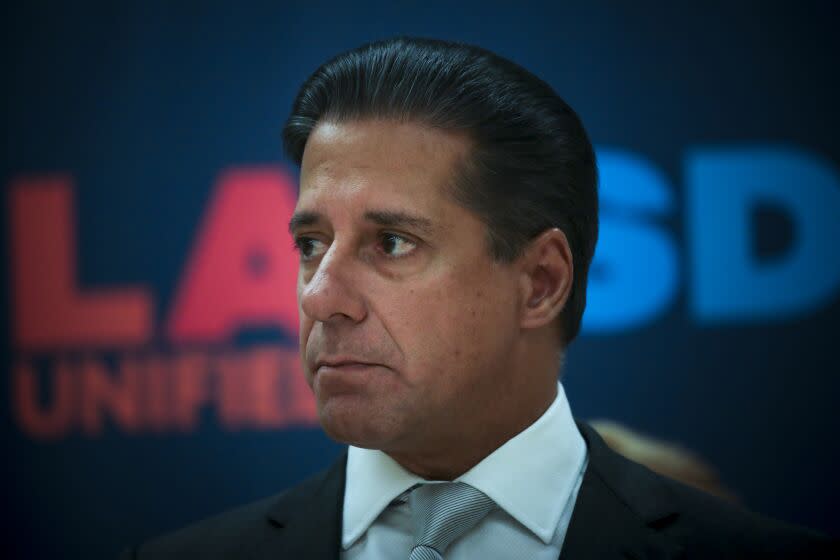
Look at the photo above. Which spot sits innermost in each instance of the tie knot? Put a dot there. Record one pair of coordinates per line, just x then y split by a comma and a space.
441, 513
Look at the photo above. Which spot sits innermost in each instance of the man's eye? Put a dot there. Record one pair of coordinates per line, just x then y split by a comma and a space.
309, 247
396, 246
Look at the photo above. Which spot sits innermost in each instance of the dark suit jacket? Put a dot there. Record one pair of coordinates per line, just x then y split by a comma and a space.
623, 510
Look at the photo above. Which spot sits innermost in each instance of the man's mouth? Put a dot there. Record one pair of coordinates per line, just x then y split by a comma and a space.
347, 364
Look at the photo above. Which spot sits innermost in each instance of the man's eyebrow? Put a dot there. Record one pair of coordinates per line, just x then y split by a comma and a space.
396, 218
385, 218
305, 218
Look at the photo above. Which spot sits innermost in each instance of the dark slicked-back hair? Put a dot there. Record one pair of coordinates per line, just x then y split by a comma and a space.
531, 166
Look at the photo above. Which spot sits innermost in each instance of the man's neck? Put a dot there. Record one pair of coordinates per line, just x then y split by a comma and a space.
450, 457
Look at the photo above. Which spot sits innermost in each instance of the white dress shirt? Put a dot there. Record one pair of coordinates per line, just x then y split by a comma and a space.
534, 478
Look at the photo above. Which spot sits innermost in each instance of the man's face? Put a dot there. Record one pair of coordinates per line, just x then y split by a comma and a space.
406, 322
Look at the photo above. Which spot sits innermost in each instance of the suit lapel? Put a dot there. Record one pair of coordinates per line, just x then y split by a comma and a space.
305, 523
619, 511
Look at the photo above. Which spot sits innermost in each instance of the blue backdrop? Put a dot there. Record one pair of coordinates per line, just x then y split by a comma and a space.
136, 134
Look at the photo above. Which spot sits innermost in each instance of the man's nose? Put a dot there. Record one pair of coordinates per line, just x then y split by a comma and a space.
332, 291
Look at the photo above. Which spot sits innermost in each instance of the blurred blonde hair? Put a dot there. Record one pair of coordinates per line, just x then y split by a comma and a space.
668, 459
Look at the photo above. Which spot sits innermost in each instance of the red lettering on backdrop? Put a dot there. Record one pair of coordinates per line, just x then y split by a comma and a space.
266, 391
243, 268
191, 391
49, 310
234, 396
299, 401
104, 394
263, 388
44, 420
258, 388
155, 391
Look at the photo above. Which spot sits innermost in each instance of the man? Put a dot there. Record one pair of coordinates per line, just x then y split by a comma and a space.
446, 221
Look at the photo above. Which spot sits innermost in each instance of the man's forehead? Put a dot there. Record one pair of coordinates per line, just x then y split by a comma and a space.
365, 191
387, 173
371, 148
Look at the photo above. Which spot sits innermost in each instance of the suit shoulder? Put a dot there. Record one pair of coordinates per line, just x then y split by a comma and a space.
702, 525
707, 524
230, 534
225, 535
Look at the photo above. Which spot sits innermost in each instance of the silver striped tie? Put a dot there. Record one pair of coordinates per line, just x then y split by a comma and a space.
440, 513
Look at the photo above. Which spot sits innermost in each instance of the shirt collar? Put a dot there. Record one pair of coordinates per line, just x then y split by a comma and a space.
545, 460
373, 480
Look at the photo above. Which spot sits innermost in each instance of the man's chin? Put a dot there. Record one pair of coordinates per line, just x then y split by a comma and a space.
346, 424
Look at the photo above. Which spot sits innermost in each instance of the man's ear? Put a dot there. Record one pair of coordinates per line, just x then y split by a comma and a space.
546, 278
